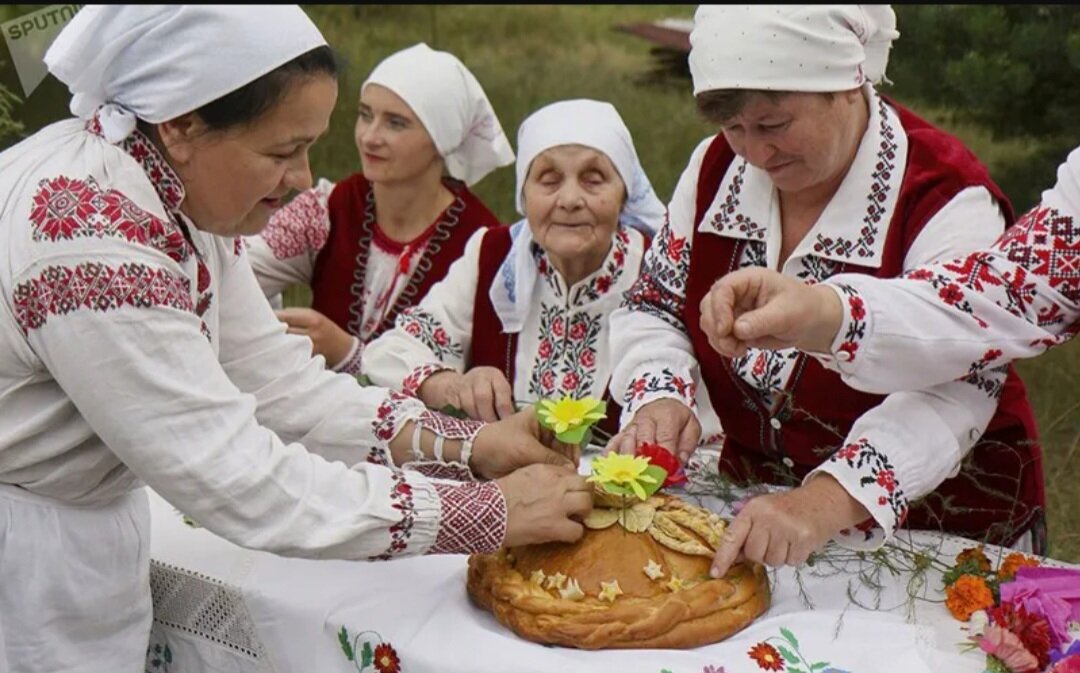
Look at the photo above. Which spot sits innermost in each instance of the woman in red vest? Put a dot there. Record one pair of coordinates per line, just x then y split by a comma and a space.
523, 315
815, 173
375, 243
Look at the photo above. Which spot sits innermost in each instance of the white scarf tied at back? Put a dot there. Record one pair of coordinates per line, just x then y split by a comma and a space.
808, 48
451, 105
158, 62
585, 122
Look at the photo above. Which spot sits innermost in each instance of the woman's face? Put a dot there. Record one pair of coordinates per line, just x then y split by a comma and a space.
801, 140
234, 179
573, 196
393, 144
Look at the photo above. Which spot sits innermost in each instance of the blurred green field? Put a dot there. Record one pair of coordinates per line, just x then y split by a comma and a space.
528, 56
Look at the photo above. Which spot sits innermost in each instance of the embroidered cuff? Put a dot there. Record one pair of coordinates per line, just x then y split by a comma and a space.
473, 519
420, 504
435, 470
868, 476
847, 348
350, 364
649, 386
394, 411
410, 385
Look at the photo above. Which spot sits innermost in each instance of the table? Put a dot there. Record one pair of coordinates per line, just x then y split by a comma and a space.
219, 607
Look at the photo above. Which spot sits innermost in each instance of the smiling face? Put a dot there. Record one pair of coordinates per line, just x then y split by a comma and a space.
394, 145
573, 196
802, 140
234, 179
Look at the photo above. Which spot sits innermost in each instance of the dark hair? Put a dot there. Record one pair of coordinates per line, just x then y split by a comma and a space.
720, 105
255, 98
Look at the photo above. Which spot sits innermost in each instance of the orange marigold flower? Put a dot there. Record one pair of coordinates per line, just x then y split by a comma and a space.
976, 555
386, 659
966, 595
1014, 562
767, 657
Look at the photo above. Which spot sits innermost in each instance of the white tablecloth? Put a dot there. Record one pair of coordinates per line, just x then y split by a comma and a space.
219, 607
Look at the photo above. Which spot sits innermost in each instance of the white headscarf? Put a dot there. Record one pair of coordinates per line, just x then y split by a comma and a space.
451, 105
158, 62
585, 122
810, 48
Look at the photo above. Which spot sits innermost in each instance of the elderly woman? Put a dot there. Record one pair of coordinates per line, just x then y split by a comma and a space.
523, 315
815, 173
138, 349
374, 243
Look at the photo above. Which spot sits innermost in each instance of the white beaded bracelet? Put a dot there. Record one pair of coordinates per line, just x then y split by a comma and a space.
417, 452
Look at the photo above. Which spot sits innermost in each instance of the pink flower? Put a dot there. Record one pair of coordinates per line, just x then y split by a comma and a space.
1053, 593
1006, 646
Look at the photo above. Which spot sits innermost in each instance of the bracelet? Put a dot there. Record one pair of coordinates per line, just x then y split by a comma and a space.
466, 452
439, 441
417, 452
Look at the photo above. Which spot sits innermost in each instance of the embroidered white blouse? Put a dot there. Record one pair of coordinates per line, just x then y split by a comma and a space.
924, 434
284, 254
1011, 300
136, 349
564, 347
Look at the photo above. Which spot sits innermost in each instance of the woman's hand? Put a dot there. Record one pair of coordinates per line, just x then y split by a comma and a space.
666, 422
785, 528
483, 393
515, 442
762, 308
327, 339
545, 503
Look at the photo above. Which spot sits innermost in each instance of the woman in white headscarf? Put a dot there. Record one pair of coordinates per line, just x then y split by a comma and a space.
374, 243
523, 315
814, 173
138, 350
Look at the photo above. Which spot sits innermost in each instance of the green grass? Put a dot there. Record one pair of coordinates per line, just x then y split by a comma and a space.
528, 56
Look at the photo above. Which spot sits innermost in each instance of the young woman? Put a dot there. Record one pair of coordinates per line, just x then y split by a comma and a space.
374, 243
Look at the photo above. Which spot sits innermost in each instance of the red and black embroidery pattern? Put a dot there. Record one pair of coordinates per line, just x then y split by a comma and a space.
855, 322
608, 277
566, 358
473, 518
884, 170
60, 290
727, 220
664, 382
421, 325
302, 226
991, 382
660, 288
401, 499
388, 418
410, 385
874, 471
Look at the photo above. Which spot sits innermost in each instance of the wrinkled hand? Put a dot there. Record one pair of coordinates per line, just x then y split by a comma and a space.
327, 339
545, 503
785, 528
762, 308
515, 442
666, 422
483, 392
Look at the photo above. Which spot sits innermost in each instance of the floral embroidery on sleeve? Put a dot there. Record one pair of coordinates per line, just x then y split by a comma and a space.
991, 382
660, 289
473, 518
422, 325
667, 383
393, 411
860, 462
853, 328
401, 499
303, 225
410, 385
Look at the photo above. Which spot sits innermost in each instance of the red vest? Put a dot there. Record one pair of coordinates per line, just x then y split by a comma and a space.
491, 347
337, 283
999, 491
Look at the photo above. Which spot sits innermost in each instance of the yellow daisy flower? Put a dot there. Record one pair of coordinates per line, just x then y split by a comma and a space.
569, 414
623, 470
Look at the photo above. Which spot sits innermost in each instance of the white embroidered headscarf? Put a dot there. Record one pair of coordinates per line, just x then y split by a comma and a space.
809, 48
451, 105
590, 123
158, 62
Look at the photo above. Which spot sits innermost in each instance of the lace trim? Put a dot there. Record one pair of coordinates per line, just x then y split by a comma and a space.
202, 606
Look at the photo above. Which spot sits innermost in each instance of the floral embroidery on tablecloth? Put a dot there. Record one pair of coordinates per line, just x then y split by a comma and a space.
786, 656
59, 290
380, 657
425, 327
158, 658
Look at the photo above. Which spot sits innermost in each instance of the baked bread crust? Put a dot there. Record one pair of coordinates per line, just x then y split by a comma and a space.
649, 613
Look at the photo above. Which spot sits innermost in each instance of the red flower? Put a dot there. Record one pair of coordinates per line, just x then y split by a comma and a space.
849, 452
603, 283
570, 382
441, 337
547, 380
557, 327
386, 659
951, 294
577, 332
887, 479
920, 274
858, 311
412, 328
991, 355
759, 364
545, 349
588, 358
1032, 629
662, 458
849, 347
767, 657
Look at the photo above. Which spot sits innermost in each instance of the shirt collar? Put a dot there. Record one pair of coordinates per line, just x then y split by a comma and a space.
166, 182
853, 225
597, 284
